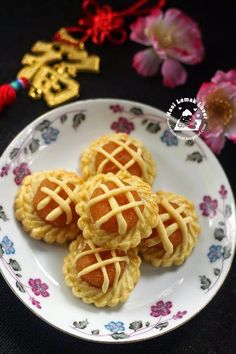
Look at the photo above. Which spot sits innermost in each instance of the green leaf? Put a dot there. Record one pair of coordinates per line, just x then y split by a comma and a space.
216, 271
20, 286
153, 127
205, 282
162, 325
147, 324
196, 156
219, 234
136, 325
227, 251
95, 332
3, 215
63, 118
144, 121
43, 125
228, 211
34, 145
137, 111
15, 265
221, 223
1, 250
172, 124
81, 324
13, 153
189, 142
78, 119
120, 335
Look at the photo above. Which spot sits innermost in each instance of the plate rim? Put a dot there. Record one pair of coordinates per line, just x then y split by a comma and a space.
202, 143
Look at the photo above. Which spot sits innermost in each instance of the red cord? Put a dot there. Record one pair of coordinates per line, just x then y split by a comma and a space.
101, 22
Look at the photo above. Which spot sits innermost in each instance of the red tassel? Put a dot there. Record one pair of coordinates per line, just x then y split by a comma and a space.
8, 91
7, 95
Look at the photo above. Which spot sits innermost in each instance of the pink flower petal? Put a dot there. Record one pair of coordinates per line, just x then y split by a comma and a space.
116, 108
221, 76
230, 132
204, 90
207, 199
138, 31
146, 62
44, 286
44, 293
215, 140
31, 282
140, 27
229, 89
37, 304
178, 19
214, 204
154, 19
173, 73
168, 304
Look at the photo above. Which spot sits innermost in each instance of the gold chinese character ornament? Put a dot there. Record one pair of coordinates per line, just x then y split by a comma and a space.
51, 67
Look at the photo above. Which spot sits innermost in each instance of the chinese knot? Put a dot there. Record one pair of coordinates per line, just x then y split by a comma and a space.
101, 22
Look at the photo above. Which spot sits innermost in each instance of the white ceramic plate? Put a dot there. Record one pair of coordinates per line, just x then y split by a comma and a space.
164, 298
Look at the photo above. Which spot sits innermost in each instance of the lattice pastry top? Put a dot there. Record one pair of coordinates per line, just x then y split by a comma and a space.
99, 267
176, 232
54, 200
116, 210
45, 205
118, 152
100, 276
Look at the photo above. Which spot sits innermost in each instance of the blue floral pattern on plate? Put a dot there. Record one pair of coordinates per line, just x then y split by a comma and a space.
115, 326
169, 139
7, 245
50, 135
215, 252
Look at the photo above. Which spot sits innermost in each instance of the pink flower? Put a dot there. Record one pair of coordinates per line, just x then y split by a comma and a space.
20, 172
35, 303
116, 108
223, 192
172, 37
179, 315
219, 100
4, 170
161, 308
208, 206
122, 126
38, 287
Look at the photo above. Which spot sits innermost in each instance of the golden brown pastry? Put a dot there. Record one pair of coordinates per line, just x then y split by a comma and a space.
45, 205
176, 233
99, 276
118, 152
116, 210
